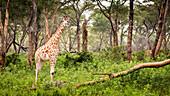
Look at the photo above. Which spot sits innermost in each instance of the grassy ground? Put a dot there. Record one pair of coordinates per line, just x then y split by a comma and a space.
17, 79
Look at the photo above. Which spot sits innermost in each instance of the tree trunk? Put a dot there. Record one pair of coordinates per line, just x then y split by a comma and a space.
115, 30
163, 33
36, 38
111, 35
4, 33
129, 41
53, 18
30, 32
160, 24
85, 32
30, 50
69, 39
111, 24
77, 35
165, 44
121, 36
101, 40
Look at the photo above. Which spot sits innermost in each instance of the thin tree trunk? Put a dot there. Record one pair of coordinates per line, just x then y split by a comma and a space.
163, 33
101, 40
111, 35
53, 18
69, 39
77, 35
115, 30
165, 44
36, 37
129, 41
160, 24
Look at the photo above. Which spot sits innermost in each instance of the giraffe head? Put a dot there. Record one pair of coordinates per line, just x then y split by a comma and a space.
65, 20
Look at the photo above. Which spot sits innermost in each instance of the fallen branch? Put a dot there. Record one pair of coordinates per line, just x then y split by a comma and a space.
134, 68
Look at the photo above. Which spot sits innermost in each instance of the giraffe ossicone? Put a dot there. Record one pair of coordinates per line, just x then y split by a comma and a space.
49, 51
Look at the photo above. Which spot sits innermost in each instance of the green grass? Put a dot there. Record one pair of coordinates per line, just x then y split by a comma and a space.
17, 79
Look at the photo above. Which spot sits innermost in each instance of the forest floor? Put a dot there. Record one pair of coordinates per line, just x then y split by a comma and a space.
18, 79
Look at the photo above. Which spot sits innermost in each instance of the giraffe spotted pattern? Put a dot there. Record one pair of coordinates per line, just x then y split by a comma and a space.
49, 51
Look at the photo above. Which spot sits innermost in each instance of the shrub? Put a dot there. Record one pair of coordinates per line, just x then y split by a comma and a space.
72, 59
114, 53
138, 55
13, 58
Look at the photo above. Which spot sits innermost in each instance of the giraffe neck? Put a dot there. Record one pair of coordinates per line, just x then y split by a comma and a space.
57, 34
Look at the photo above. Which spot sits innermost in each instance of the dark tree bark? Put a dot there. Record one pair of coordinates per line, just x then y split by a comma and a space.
77, 35
115, 31
160, 24
163, 33
70, 47
111, 35
129, 41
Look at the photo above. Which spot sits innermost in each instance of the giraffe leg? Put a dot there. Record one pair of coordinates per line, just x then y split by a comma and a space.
39, 65
52, 66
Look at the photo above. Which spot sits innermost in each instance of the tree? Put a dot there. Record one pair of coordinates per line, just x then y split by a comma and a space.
78, 11
129, 41
49, 32
114, 8
4, 30
101, 30
75, 10
163, 33
160, 24
32, 22
108, 14
85, 33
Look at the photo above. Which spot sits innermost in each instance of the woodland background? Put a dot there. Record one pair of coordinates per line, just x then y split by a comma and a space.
119, 35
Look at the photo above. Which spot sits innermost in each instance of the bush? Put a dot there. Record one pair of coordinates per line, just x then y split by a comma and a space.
114, 53
13, 58
138, 55
72, 59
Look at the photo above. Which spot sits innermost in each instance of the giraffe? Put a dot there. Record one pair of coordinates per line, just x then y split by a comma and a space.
49, 51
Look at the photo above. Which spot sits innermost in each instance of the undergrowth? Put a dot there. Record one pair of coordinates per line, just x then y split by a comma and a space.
17, 78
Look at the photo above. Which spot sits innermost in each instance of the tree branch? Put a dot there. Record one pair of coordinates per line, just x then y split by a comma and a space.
102, 10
